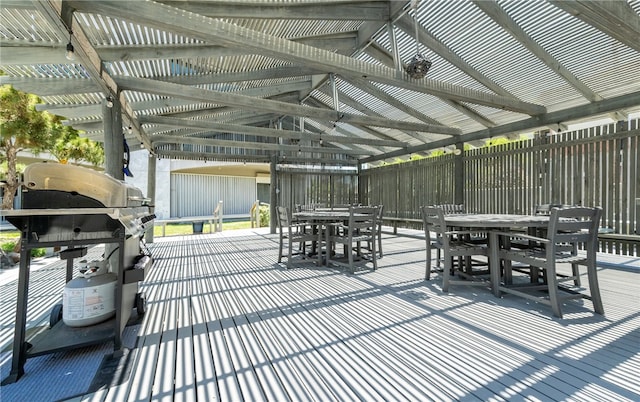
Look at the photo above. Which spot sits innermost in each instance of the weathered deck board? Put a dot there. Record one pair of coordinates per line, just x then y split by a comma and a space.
226, 322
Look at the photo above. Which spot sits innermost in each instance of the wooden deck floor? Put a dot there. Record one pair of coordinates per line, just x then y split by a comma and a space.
225, 322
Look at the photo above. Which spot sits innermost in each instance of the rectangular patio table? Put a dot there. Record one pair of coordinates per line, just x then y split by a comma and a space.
493, 223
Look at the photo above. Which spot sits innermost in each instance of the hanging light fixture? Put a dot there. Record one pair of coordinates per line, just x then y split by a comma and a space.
70, 53
419, 65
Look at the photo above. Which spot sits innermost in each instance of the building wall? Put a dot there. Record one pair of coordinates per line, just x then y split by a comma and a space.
193, 188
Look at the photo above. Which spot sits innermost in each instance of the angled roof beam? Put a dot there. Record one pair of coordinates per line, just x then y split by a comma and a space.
209, 29
385, 97
337, 10
57, 12
349, 101
615, 18
380, 54
407, 24
495, 12
373, 133
590, 109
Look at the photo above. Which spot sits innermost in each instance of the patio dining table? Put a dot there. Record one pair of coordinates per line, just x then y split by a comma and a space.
319, 219
493, 223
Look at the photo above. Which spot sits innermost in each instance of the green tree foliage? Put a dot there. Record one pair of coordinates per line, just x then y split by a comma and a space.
22, 127
69, 146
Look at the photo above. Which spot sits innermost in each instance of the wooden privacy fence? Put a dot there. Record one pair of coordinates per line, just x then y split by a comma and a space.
302, 187
597, 166
591, 167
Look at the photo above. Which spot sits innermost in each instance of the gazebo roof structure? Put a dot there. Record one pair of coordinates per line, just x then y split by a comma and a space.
322, 80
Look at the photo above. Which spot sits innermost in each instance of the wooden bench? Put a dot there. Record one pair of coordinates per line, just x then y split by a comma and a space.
393, 221
214, 220
629, 240
188, 219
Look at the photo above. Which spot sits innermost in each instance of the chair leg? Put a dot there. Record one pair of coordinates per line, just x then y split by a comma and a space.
575, 271
446, 272
289, 254
380, 242
427, 274
351, 267
552, 284
374, 255
594, 288
280, 249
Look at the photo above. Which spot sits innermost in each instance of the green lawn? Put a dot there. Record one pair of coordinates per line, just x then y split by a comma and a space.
174, 229
11, 236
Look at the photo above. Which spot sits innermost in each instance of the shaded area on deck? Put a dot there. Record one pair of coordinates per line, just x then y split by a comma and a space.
225, 321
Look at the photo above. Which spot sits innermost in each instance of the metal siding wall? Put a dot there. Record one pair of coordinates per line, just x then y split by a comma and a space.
198, 194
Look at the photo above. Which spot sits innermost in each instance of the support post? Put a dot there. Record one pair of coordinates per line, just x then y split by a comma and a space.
459, 174
113, 137
274, 195
151, 193
113, 154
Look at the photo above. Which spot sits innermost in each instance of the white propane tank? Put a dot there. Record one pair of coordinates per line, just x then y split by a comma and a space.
89, 299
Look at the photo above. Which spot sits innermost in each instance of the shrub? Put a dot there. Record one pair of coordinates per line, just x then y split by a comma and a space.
35, 252
264, 215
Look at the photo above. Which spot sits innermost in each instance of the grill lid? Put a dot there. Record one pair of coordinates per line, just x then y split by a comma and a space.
87, 182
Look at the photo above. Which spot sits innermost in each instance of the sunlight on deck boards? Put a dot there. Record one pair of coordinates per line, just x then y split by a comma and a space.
226, 322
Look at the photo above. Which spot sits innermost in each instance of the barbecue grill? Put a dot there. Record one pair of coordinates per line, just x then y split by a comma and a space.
72, 207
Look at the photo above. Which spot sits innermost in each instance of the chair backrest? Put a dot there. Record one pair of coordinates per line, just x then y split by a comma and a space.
309, 207
284, 218
380, 214
434, 223
449, 209
545, 209
362, 218
575, 225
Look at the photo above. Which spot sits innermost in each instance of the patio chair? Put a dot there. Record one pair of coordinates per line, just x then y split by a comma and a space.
545, 209
292, 233
361, 228
571, 238
452, 243
378, 233
476, 238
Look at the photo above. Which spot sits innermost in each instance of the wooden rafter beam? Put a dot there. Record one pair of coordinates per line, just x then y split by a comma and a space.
209, 29
56, 13
265, 132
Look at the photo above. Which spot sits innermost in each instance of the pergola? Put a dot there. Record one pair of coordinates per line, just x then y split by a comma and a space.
325, 83
320, 81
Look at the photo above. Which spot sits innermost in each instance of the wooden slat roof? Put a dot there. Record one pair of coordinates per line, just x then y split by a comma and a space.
325, 68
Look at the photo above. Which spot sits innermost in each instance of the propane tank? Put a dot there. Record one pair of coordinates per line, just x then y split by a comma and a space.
90, 298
